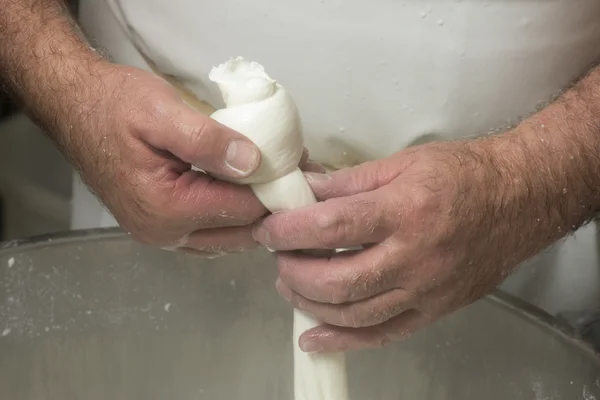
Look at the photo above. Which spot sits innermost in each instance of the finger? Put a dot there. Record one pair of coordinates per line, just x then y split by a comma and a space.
307, 165
303, 159
222, 240
343, 278
350, 181
373, 311
314, 167
327, 338
202, 202
336, 223
175, 205
199, 140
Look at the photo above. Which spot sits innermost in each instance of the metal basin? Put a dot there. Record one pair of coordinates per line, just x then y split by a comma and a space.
96, 316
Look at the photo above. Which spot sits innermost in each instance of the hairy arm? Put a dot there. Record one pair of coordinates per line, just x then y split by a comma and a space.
46, 62
129, 134
567, 134
547, 170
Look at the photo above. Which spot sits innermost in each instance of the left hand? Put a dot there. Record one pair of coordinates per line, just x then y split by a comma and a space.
441, 224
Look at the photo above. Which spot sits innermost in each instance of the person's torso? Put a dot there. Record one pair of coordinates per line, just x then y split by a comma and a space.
372, 77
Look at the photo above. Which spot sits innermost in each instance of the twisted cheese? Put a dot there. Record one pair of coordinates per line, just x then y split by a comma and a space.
262, 110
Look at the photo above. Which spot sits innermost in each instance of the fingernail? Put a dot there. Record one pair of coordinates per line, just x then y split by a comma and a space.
283, 290
311, 346
261, 235
312, 177
313, 167
242, 157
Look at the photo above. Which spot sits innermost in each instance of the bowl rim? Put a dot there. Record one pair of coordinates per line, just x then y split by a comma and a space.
513, 304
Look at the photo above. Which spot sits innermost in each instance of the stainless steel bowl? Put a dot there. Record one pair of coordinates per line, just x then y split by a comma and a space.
96, 316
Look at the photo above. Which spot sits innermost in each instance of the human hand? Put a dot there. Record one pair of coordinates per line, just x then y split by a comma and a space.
134, 140
441, 226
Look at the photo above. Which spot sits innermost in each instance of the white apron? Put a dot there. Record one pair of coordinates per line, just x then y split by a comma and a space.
372, 77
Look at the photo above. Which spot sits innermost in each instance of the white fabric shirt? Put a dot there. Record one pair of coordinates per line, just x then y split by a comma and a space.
372, 77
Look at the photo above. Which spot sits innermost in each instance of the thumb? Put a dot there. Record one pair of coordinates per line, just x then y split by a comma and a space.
197, 139
350, 181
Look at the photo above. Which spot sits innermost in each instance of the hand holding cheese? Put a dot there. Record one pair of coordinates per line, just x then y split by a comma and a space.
262, 110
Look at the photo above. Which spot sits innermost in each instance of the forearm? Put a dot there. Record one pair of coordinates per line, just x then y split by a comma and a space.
44, 59
549, 167
564, 141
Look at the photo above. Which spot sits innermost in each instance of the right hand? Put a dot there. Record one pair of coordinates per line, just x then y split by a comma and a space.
134, 139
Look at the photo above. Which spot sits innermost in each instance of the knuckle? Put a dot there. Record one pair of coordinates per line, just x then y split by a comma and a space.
377, 317
331, 229
364, 283
417, 209
144, 120
424, 200
153, 104
201, 141
336, 290
370, 277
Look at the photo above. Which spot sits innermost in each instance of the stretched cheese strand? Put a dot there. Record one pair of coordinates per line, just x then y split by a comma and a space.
261, 109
